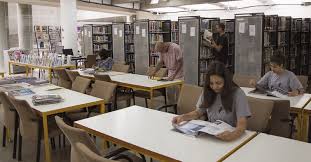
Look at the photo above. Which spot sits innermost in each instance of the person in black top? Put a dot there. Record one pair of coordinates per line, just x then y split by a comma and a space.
220, 44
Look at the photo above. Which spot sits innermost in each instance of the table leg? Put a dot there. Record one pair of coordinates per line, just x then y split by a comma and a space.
46, 138
151, 99
26, 68
9, 68
102, 108
50, 75
305, 127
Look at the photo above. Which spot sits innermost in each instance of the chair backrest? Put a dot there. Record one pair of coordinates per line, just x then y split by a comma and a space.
88, 155
279, 124
80, 84
63, 78
104, 90
188, 98
75, 135
161, 73
72, 74
261, 110
8, 115
28, 119
303, 80
90, 61
120, 68
102, 77
243, 80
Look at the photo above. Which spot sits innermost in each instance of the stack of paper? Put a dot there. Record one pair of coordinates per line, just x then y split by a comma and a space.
46, 99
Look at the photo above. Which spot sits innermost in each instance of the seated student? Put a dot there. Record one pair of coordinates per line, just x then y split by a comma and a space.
279, 78
105, 61
222, 100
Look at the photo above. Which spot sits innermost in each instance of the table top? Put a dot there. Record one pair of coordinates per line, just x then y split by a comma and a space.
71, 99
142, 81
298, 102
110, 73
269, 148
151, 132
39, 66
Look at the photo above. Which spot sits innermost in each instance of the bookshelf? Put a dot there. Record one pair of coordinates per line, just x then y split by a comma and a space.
284, 33
159, 31
295, 49
129, 46
141, 46
102, 38
305, 46
175, 32
230, 32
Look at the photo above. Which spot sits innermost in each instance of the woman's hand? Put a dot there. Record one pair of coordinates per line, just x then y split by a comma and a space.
226, 136
178, 119
293, 93
252, 82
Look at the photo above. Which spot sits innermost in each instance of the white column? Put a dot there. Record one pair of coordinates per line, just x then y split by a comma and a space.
68, 14
25, 27
4, 31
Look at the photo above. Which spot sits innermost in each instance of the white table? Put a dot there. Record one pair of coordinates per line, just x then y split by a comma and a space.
268, 148
91, 76
72, 101
150, 132
142, 82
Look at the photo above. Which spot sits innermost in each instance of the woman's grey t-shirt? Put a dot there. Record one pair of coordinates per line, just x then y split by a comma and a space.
216, 111
285, 82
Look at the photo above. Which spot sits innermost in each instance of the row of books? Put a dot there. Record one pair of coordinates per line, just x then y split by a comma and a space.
159, 26
129, 48
100, 39
101, 29
129, 39
156, 38
98, 47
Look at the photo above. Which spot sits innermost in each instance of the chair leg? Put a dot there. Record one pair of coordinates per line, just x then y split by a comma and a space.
143, 157
59, 141
4, 136
146, 102
39, 142
15, 134
20, 141
133, 95
64, 140
53, 143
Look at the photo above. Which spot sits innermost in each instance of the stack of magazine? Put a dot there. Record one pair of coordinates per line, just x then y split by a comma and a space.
21, 92
22, 79
197, 127
46, 99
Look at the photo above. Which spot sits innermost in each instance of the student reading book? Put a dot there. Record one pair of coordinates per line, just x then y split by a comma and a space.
221, 100
196, 127
277, 92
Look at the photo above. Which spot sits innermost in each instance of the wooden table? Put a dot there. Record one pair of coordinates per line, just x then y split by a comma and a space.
297, 105
30, 66
306, 112
268, 148
72, 101
150, 132
142, 82
91, 76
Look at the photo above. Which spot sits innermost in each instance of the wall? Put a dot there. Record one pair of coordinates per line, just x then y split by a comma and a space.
281, 10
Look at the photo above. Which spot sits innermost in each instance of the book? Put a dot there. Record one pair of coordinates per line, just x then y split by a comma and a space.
21, 92
197, 127
274, 93
46, 99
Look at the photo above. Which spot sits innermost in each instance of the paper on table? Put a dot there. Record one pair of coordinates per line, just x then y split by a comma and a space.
137, 30
115, 31
252, 30
192, 31
120, 33
183, 28
143, 32
242, 27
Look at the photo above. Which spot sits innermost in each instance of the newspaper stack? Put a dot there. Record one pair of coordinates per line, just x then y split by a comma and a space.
46, 99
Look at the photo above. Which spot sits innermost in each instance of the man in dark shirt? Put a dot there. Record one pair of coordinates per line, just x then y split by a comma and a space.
220, 44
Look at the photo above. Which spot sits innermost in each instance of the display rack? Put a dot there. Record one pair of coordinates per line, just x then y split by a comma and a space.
54, 37
41, 41
159, 31
129, 46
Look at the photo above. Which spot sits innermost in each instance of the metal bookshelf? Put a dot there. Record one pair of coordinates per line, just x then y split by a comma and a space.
175, 32
141, 45
305, 47
102, 38
230, 32
129, 46
284, 37
295, 49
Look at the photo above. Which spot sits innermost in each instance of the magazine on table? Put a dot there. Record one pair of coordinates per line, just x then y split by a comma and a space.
197, 127
279, 93
46, 99
10, 87
21, 92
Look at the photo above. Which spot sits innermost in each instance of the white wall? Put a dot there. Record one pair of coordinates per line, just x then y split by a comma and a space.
282, 10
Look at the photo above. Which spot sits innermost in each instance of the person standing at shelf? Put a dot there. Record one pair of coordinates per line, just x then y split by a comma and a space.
171, 57
105, 61
220, 44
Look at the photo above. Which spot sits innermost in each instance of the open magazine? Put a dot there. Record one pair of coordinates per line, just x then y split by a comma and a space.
196, 127
274, 93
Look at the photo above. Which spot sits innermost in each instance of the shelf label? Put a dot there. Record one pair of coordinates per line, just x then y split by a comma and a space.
252, 30
115, 31
137, 30
183, 28
143, 32
242, 27
192, 32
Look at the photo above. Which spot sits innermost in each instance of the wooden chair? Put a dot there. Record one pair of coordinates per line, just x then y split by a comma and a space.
102, 77
187, 100
30, 126
90, 61
75, 135
304, 81
156, 93
63, 78
89, 156
261, 113
72, 74
80, 84
9, 119
120, 68
243, 80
